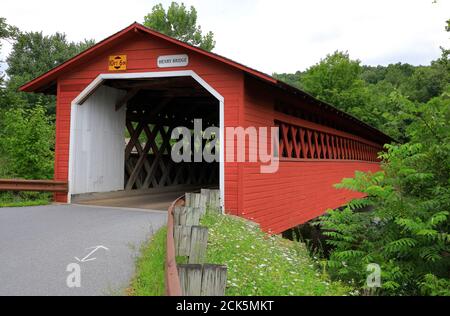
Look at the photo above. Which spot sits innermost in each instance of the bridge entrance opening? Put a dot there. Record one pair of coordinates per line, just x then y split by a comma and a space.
121, 141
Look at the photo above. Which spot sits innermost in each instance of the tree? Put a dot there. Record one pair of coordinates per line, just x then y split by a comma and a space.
291, 79
428, 82
7, 32
33, 54
333, 78
27, 143
180, 23
376, 95
373, 75
408, 232
336, 80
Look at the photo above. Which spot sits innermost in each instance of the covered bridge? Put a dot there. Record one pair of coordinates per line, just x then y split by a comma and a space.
118, 102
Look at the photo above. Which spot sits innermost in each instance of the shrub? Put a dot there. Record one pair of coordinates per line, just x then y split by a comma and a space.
26, 144
407, 233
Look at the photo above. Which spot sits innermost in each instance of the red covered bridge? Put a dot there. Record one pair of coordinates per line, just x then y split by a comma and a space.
148, 84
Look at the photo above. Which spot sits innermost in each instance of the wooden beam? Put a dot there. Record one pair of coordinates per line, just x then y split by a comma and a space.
171, 122
146, 83
148, 95
134, 134
158, 154
160, 106
127, 98
142, 152
33, 185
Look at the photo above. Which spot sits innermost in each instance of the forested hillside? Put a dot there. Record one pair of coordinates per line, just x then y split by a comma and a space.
381, 96
406, 235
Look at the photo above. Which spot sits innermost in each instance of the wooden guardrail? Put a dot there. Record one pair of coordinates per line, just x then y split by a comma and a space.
173, 287
33, 185
185, 238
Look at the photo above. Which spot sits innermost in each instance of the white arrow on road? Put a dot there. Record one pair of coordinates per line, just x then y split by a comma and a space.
86, 259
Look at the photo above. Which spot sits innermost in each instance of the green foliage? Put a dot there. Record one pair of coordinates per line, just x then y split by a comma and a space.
149, 277
336, 79
180, 23
428, 82
33, 54
26, 120
435, 286
259, 264
7, 31
407, 232
291, 79
26, 144
22, 199
395, 74
385, 97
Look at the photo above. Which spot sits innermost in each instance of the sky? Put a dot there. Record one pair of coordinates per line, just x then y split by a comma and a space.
271, 36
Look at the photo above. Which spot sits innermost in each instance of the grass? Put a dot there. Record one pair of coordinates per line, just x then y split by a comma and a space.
260, 265
22, 199
24, 203
149, 276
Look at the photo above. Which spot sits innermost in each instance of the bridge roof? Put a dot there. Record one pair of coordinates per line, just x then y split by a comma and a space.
46, 82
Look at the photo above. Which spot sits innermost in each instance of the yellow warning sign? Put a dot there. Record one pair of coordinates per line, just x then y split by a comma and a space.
118, 62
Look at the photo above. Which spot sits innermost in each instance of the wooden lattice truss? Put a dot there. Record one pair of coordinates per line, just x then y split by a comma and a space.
304, 143
154, 109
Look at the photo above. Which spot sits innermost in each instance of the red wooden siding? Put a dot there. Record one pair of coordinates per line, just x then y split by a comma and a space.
318, 144
142, 52
302, 189
299, 192
301, 141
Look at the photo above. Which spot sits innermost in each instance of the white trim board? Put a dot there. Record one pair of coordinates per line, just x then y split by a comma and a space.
84, 95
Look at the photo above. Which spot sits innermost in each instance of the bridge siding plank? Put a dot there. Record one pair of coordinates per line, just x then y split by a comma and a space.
300, 190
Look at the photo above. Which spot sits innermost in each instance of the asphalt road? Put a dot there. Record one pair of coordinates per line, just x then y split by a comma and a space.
37, 244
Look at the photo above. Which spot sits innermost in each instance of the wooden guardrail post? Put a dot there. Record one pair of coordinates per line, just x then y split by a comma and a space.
182, 235
190, 240
196, 200
188, 216
199, 242
214, 280
190, 279
179, 215
202, 280
212, 198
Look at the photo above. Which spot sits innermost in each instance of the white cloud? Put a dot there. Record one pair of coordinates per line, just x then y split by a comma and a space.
281, 36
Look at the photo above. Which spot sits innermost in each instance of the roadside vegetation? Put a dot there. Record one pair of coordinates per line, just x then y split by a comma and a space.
26, 152
149, 275
407, 233
23, 199
258, 264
